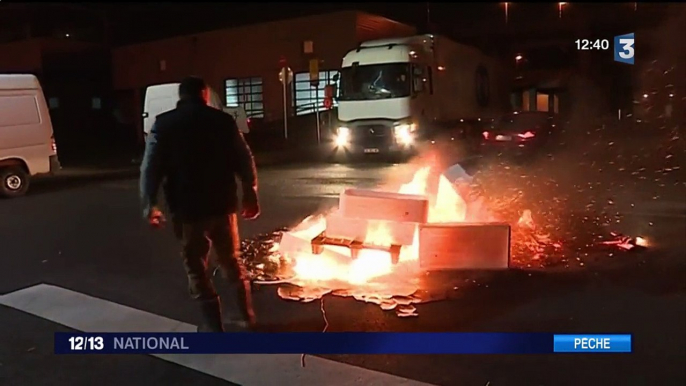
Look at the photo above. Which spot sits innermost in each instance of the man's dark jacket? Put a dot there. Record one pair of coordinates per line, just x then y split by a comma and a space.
199, 151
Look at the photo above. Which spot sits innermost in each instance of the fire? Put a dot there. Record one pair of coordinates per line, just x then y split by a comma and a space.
446, 205
373, 277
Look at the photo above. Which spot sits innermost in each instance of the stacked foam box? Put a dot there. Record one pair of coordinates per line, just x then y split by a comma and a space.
464, 246
364, 214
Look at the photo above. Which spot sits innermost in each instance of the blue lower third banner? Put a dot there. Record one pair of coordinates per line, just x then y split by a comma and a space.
335, 343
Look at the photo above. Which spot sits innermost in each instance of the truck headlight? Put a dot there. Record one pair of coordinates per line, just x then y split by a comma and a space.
342, 136
404, 133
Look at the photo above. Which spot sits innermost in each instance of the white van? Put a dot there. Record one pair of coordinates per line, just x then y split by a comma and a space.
27, 143
163, 97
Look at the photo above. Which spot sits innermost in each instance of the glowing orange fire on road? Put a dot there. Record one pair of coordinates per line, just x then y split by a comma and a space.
372, 276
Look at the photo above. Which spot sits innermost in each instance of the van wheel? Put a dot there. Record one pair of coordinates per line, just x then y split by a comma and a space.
14, 182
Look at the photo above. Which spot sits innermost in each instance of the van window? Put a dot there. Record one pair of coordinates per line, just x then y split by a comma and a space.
18, 110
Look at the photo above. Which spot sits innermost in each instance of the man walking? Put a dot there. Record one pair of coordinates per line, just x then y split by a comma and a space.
198, 151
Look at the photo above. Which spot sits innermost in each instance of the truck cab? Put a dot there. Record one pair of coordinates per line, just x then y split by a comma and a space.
396, 93
385, 88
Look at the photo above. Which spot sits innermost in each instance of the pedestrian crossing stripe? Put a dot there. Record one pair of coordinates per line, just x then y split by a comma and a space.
90, 314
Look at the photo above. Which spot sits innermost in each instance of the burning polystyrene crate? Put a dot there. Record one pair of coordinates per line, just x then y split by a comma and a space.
450, 246
371, 231
377, 205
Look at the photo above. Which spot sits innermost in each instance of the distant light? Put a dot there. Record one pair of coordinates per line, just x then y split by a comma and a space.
671, 95
645, 96
519, 57
66, 35
441, 68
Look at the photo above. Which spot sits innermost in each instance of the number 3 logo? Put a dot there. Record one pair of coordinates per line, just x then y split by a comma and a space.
627, 47
624, 48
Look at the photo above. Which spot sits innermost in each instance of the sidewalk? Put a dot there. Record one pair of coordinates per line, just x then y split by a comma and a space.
125, 168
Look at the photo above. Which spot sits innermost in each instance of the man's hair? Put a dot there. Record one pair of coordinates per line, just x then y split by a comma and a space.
192, 86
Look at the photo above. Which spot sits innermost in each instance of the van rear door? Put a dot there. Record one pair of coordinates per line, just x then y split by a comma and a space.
158, 99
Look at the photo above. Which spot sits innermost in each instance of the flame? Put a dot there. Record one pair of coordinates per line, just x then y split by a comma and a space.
372, 277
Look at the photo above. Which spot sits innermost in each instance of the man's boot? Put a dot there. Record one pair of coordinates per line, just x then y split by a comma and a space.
244, 303
212, 316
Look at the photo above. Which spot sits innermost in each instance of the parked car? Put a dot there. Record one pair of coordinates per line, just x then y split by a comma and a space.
520, 133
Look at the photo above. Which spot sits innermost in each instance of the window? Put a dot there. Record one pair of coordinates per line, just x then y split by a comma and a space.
19, 111
306, 97
376, 81
96, 103
246, 93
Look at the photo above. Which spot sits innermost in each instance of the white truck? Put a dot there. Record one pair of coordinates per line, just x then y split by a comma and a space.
395, 92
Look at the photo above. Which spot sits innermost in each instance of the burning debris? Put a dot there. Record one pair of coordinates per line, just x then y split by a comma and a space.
375, 247
394, 244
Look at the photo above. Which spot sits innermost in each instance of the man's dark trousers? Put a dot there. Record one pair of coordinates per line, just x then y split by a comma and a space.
197, 238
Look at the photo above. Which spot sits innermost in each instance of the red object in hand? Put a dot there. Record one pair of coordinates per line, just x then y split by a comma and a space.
156, 219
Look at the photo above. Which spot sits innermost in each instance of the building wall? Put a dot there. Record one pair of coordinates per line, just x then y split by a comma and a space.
243, 52
21, 56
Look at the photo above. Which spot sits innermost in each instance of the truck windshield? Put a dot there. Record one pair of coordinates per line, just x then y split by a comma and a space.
375, 81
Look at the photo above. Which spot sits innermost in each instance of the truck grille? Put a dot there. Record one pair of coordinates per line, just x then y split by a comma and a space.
375, 131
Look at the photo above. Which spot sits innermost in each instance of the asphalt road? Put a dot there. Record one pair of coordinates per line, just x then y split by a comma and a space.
87, 237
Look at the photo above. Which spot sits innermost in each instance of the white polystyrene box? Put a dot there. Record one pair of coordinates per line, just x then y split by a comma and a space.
464, 246
384, 232
377, 205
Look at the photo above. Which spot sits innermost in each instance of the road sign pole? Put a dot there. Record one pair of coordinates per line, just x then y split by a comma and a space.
316, 106
285, 110
285, 77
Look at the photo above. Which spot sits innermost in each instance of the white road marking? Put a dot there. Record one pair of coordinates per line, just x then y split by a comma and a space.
89, 314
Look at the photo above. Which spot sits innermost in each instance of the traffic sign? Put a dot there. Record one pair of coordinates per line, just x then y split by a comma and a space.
314, 71
286, 76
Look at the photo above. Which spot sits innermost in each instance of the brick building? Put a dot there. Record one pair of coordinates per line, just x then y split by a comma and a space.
242, 64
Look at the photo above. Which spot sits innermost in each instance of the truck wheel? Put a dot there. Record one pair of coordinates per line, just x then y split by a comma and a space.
14, 181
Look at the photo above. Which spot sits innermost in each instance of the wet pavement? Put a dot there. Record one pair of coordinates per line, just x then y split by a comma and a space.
89, 238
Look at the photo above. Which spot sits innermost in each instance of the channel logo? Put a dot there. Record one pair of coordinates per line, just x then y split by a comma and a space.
624, 48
